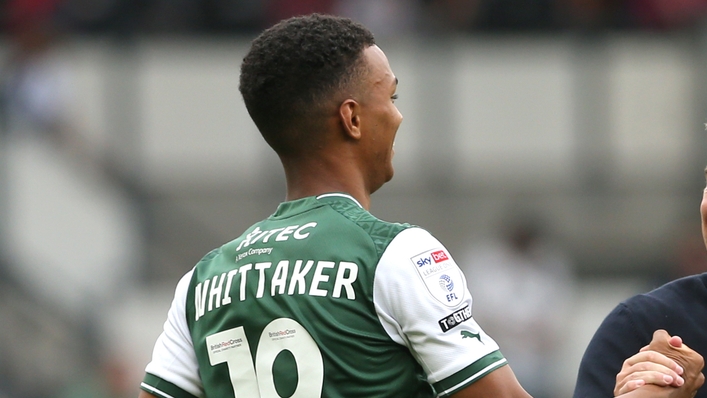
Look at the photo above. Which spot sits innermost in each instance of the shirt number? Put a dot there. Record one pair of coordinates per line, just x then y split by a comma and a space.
256, 380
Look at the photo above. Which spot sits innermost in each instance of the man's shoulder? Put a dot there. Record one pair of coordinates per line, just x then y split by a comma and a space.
380, 231
687, 285
692, 288
670, 306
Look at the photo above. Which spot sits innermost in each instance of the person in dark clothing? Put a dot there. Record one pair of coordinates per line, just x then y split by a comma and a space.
631, 324
679, 307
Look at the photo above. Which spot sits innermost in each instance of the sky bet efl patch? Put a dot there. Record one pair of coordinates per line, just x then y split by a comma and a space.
441, 276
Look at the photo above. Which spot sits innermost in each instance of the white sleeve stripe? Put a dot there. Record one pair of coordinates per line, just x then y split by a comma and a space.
153, 390
473, 377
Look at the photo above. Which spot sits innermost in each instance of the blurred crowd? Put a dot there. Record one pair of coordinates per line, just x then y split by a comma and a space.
383, 16
523, 284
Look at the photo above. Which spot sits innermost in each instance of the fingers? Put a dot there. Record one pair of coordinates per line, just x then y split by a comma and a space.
652, 360
648, 367
660, 335
662, 377
628, 387
699, 381
674, 348
675, 341
638, 379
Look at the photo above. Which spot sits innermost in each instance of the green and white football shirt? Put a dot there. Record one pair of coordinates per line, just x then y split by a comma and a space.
322, 299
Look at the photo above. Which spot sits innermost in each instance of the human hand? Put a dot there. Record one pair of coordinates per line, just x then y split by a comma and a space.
691, 362
648, 367
667, 367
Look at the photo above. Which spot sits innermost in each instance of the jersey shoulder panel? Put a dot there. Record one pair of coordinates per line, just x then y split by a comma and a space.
381, 232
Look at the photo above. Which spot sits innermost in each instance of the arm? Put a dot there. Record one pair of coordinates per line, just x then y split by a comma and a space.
654, 391
499, 383
174, 369
144, 394
423, 303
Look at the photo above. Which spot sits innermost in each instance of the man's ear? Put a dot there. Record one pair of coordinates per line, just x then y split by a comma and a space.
349, 115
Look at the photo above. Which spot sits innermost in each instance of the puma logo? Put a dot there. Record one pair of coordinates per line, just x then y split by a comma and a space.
468, 334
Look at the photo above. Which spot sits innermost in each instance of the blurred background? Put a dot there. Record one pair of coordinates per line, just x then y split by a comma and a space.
556, 147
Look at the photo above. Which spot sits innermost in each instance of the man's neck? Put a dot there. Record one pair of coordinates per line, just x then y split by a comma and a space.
316, 177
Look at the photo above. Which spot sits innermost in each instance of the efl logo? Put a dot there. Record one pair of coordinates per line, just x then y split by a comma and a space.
439, 256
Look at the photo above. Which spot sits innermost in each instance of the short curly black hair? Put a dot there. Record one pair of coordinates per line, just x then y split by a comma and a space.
294, 68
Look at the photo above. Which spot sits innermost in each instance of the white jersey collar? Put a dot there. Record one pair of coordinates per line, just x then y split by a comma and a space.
343, 195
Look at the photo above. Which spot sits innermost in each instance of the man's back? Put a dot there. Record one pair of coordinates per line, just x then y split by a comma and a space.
303, 282
302, 303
